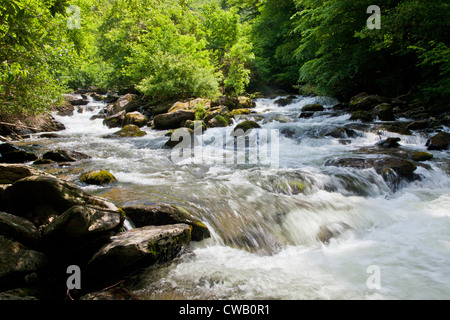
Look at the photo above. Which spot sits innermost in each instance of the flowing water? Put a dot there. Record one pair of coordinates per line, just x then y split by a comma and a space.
392, 242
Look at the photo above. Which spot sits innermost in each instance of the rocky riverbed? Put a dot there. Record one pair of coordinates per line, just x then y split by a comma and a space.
104, 194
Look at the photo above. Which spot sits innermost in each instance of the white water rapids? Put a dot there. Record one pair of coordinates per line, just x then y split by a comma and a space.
264, 221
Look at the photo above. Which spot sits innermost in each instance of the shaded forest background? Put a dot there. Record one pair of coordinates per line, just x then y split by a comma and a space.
193, 48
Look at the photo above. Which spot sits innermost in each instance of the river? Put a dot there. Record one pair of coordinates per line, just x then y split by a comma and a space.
392, 242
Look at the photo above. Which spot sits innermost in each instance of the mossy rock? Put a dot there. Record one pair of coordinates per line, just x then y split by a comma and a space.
421, 156
246, 126
98, 177
130, 131
136, 118
240, 112
362, 115
313, 108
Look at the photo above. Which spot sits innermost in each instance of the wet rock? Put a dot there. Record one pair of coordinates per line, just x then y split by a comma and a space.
165, 214
385, 112
421, 156
219, 121
245, 127
441, 141
41, 198
389, 143
418, 125
313, 108
283, 102
362, 115
81, 222
246, 103
332, 230
139, 248
10, 153
136, 118
65, 156
182, 138
129, 131
230, 102
17, 261
240, 112
19, 229
366, 102
172, 120
306, 115
49, 135
79, 102
128, 103
278, 118
97, 177
43, 162
115, 121
10, 173
341, 133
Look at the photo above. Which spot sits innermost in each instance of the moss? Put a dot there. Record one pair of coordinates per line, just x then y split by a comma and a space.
239, 112
200, 112
167, 248
97, 177
247, 125
421, 156
222, 120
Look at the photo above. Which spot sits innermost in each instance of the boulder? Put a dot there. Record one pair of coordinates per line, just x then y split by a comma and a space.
240, 112
283, 102
139, 248
219, 121
165, 214
129, 131
115, 121
64, 156
190, 105
341, 133
278, 118
10, 153
230, 102
136, 118
245, 127
97, 177
19, 229
362, 115
246, 103
421, 156
41, 198
17, 261
313, 108
366, 102
79, 102
81, 222
179, 138
418, 125
173, 120
385, 112
441, 141
128, 103
389, 143
306, 115
10, 173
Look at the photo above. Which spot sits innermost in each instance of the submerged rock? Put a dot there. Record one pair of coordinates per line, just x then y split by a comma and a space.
10, 153
441, 141
97, 177
283, 102
332, 230
164, 214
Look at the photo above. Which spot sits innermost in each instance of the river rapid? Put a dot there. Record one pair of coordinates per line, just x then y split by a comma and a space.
391, 242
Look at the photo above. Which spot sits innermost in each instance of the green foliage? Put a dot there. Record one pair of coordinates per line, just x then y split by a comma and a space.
200, 112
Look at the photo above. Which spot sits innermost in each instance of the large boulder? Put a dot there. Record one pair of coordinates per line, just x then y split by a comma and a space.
65, 156
441, 141
127, 103
10, 173
19, 229
82, 222
115, 121
136, 118
164, 214
366, 102
385, 112
42, 198
139, 248
10, 153
362, 115
17, 261
173, 120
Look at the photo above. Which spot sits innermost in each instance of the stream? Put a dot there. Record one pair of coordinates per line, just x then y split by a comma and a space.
391, 243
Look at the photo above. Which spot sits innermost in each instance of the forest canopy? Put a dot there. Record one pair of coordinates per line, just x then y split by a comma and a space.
204, 48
